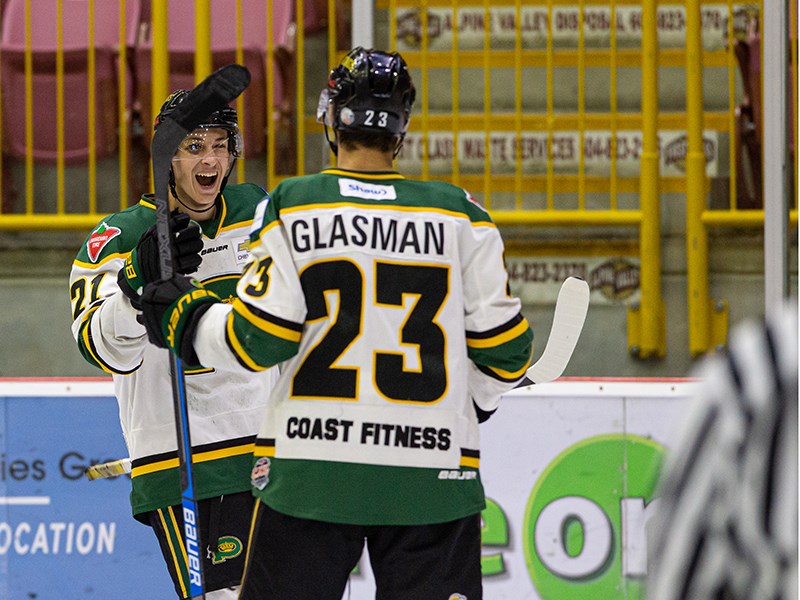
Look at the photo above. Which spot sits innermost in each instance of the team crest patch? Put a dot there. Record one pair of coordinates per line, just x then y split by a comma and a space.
228, 547
99, 238
259, 477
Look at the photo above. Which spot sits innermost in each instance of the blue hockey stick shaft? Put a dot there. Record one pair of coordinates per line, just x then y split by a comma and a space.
211, 95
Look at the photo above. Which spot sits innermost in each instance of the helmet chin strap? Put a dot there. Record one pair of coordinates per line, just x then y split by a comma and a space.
332, 143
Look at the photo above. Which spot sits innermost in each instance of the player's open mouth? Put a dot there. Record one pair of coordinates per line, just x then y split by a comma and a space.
206, 179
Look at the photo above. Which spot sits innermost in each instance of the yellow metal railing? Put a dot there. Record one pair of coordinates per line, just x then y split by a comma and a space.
646, 322
530, 168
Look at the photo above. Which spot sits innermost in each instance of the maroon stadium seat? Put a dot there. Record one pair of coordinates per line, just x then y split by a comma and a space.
75, 45
181, 25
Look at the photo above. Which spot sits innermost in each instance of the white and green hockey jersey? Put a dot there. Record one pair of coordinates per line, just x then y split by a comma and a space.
388, 301
225, 408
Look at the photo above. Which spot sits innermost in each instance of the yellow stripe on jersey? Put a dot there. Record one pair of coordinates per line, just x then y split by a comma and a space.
501, 338
162, 465
470, 461
93, 266
359, 175
199, 457
268, 451
222, 453
511, 375
237, 348
284, 333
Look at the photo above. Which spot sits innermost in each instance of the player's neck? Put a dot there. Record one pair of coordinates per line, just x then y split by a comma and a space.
206, 214
364, 159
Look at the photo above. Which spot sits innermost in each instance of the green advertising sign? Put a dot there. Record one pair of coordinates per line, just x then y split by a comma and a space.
584, 526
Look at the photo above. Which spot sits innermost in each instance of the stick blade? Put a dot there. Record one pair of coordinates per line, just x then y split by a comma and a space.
211, 95
214, 93
570, 314
109, 469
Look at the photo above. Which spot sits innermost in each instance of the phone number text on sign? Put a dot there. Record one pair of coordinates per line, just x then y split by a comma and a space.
612, 280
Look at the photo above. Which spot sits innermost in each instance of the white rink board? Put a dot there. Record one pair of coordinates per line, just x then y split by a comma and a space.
536, 437
582, 448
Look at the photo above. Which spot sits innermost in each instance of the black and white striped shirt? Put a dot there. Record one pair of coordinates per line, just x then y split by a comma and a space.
726, 525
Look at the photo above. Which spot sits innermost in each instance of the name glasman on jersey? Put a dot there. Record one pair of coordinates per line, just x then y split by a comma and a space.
369, 231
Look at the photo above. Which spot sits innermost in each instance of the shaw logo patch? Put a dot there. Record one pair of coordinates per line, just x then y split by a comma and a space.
228, 547
99, 238
368, 191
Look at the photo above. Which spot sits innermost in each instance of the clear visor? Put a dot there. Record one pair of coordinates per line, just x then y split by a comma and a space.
213, 142
322, 106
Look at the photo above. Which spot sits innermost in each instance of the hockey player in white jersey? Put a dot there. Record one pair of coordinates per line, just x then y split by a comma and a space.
117, 259
386, 300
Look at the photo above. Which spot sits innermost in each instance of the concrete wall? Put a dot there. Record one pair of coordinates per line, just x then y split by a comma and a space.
34, 268
35, 316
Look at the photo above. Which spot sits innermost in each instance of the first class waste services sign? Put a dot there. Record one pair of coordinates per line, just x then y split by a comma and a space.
63, 537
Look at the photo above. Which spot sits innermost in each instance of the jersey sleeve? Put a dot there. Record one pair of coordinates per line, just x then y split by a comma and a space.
262, 327
499, 339
103, 321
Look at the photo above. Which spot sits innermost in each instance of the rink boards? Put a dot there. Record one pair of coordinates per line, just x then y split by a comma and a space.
569, 470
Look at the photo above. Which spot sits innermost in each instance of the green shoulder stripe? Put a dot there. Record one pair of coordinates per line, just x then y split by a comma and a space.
116, 235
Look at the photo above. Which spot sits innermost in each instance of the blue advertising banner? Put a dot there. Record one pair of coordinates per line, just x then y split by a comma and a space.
63, 537
561, 463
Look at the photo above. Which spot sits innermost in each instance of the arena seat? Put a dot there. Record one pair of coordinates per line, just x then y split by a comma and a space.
181, 45
75, 46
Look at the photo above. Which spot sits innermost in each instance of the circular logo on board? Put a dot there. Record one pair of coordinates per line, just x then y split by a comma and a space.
584, 528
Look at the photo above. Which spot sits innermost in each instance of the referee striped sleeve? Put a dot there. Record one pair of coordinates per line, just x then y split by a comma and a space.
726, 522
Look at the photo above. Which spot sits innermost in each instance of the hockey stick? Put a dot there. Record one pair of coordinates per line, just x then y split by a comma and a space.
210, 95
108, 469
571, 307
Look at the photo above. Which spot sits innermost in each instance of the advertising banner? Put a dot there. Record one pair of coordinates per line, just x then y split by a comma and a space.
63, 537
471, 22
569, 470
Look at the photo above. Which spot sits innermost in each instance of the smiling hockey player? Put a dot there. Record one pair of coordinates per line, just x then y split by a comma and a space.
117, 259
387, 301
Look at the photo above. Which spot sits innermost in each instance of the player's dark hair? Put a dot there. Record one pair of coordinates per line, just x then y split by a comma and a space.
352, 140
370, 91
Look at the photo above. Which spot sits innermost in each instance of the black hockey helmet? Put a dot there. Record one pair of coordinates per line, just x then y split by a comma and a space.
368, 91
226, 119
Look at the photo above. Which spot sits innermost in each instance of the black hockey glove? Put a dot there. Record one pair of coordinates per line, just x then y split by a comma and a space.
143, 263
171, 310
